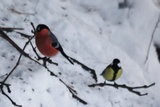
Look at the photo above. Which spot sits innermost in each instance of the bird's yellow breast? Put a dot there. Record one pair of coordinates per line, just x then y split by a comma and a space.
109, 74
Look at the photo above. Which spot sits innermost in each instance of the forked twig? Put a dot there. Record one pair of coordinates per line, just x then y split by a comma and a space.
3, 82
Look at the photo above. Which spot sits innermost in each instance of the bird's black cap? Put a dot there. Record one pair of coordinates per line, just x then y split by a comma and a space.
41, 26
116, 61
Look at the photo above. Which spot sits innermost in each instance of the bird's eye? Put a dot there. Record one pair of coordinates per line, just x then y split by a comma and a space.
38, 28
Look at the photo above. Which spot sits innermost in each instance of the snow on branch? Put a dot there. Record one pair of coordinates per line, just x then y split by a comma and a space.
129, 88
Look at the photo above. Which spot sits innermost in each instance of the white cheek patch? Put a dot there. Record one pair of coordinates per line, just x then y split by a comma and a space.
119, 65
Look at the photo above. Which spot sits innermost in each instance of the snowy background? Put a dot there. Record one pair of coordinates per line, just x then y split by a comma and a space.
92, 31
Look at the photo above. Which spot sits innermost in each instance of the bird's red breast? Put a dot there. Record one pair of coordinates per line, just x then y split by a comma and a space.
43, 42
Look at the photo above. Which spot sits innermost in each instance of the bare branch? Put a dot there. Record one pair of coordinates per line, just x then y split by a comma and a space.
24, 35
18, 12
91, 71
131, 89
73, 92
3, 82
34, 29
152, 36
10, 29
3, 35
14, 103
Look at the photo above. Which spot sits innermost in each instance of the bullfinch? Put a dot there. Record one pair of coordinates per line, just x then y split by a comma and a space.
47, 43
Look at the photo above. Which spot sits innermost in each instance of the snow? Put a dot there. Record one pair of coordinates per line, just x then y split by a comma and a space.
92, 31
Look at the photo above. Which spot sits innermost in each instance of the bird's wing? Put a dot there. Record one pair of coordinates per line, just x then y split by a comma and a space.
57, 45
105, 69
55, 41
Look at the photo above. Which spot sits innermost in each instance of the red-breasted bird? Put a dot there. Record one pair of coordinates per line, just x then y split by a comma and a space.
47, 43
112, 71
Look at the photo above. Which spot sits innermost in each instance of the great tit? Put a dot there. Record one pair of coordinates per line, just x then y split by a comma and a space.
112, 71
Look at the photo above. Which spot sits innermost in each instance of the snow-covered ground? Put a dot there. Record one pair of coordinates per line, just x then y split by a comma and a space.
92, 31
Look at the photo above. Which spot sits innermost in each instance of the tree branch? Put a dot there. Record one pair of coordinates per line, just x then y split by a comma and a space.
24, 35
73, 92
91, 71
3, 82
131, 89
152, 36
4, 36
10, 29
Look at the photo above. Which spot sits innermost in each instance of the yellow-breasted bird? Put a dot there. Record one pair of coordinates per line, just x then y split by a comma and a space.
112, 71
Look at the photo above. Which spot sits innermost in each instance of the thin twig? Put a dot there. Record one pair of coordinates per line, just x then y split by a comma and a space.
73, 92
10, 29
3, 35
131, 89
24, 35
152, 36
91, 71
3, 82
34, 29
14, 103
17, 62
20, 13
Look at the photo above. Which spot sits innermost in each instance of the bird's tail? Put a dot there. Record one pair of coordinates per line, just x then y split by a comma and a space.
67, 57
58, 47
